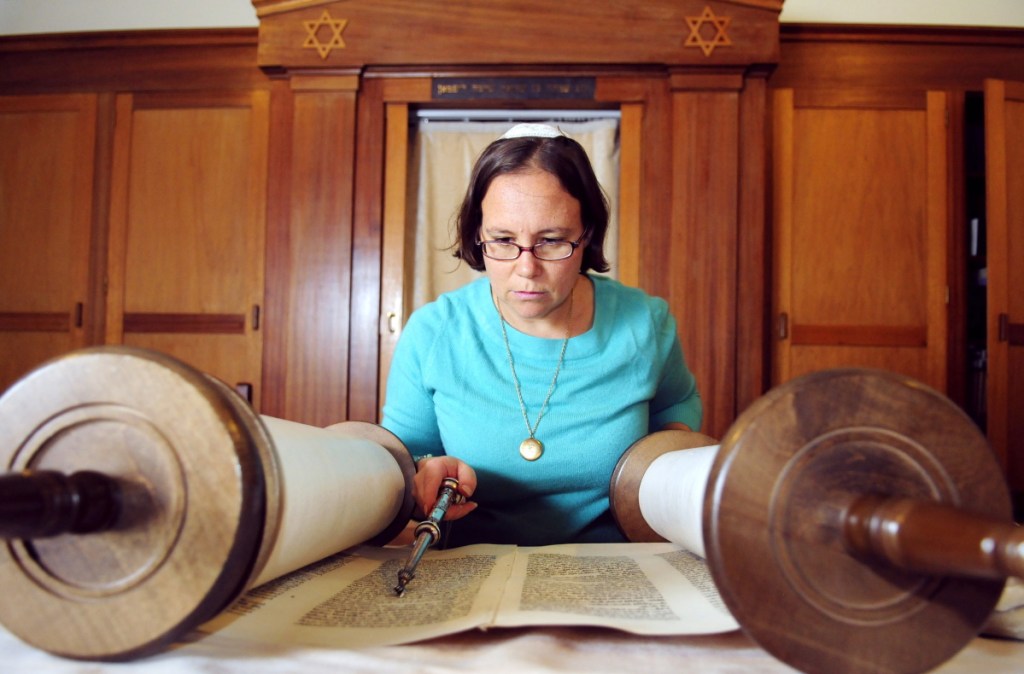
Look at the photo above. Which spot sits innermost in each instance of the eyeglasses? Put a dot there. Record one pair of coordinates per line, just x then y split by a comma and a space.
549, 251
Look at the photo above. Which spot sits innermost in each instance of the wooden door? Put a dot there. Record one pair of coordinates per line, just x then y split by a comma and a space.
1004, 180
187, 227
860, 226
46, 186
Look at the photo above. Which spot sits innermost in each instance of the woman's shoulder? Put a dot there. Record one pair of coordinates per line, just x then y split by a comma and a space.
451, 307
626, 301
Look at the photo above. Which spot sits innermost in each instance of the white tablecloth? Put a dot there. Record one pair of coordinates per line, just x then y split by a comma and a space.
534, 650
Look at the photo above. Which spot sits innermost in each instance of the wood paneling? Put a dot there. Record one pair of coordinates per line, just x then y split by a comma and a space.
229, 324
46, 207
753, 300
367, 235
630, 186
889, 60
861, 232
895, 57
313, 260
204, 60
705, 168
395, 290
1004, 153
186, 247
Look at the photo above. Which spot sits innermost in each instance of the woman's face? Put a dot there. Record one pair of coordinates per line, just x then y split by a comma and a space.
527, 208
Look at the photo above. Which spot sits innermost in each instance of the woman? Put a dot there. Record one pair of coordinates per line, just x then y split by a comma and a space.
528, 384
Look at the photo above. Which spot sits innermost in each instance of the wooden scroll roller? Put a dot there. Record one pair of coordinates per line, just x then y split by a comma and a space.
142, 497
854, 521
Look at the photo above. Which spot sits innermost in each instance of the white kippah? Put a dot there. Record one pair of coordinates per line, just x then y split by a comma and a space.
532, 130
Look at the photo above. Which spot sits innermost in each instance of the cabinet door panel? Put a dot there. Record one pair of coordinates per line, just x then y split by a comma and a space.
46, 182
187, 229
860, 233
1004, 179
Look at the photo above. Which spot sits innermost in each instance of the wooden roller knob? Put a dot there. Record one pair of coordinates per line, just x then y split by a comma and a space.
854, 521
47, 503
141, 498
809, 567
933, 538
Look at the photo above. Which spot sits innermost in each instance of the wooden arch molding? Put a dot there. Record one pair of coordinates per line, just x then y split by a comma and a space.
355, 33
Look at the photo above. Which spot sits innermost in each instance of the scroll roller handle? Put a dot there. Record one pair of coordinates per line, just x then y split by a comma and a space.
40, 504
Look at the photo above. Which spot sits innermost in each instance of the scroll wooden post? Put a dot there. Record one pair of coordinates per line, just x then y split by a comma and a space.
143, 497
786, 480
855, 521
48, 503
916, 536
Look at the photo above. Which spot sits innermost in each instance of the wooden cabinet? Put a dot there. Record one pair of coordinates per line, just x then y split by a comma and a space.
132, 204
187, 223
1004, 180
860, 232
879, 223
46, 209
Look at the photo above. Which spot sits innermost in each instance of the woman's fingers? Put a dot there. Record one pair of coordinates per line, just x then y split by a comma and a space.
427, 482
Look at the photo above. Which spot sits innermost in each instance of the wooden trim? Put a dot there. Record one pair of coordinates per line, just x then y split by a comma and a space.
396, 253
705, 164
896, 58
859, 335
228, 324
630, 185
278, 259
118, 231
328, 82
126, 39
887, 33
168, 100
34, 321
782, 267
96, 316
1015, 334
425, 33
365, 338
706, 79
271, 7
131, 61
753, 269
998, 299
937, 228
872, 99
958, 365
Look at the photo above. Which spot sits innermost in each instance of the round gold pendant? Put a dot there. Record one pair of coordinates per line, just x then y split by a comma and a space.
531, 449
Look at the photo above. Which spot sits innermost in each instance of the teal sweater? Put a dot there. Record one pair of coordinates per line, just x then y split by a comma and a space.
450, 391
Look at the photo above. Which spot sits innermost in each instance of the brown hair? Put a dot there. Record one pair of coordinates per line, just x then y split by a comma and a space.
560, 156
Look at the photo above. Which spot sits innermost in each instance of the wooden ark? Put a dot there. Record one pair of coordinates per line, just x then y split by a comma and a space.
237, 198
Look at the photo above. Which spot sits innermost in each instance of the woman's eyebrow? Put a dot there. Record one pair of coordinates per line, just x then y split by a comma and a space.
550, 232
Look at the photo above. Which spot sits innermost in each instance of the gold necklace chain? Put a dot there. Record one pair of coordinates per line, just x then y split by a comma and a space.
531, 448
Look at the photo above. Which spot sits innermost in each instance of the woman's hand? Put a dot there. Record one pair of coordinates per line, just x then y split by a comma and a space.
429, 474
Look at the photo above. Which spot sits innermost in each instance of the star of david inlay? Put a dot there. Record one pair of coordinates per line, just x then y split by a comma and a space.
337, 26
697, 24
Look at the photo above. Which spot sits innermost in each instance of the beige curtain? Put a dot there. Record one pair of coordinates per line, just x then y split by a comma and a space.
443, 156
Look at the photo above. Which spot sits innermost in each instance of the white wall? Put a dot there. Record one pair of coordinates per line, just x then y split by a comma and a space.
61, 16
928, 12
57, 16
